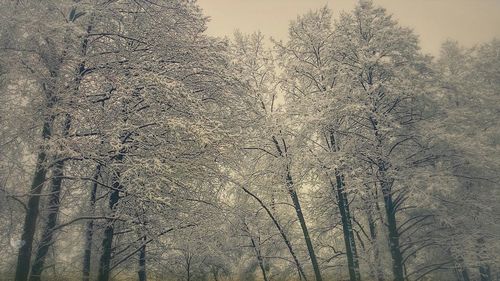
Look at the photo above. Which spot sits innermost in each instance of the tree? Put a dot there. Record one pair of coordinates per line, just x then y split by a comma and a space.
258, 80
309, 82
183, 156
379, 60
465, 105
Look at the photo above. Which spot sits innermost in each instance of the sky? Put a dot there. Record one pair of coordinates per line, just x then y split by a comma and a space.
468, 21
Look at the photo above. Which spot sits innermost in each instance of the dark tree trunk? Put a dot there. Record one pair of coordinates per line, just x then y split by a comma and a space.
53, 212
89, 228
484, 269
379, 272
53, 208
485, 273
215, 273
24, 257
142, 260
350, 243
464, 274
48, 232
296, 203
107, 241
345, 215
390, 210
188, 258
259, 259
302, 221
282, 233
29, 228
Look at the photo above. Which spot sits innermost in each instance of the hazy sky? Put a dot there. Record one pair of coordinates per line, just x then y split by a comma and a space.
468, 21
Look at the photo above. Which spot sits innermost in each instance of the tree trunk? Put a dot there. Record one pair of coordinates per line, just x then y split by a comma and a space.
282, 233
485, 272
350, 243
53, 212
462, 273
296, 203
465, 275
379, 272
302, 221
259, 259
188, 258
48, 233
89, 228
107, 241
29, 228
142, 260
345, 215
390, 210
53, 208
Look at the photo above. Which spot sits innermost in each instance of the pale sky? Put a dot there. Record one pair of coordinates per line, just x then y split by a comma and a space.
468, 21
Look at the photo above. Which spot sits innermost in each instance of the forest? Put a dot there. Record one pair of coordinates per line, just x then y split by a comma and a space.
134, 146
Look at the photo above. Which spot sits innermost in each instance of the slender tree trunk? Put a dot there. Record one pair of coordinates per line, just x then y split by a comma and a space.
29, 228
349, 239
215, 273
48, 233
302, 221
484, 268
188, 266
461, 271
485, 272
379, 272
53, 212
397, 257
53, 209
296, 203
56, 185
89, 228
345, 215
259, 259
142, 260
107, 242
465, 275
282, 233
390, 209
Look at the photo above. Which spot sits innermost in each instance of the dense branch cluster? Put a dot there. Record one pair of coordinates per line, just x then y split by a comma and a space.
134, 147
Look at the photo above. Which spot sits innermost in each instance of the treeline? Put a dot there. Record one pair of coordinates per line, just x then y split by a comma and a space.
135, 147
